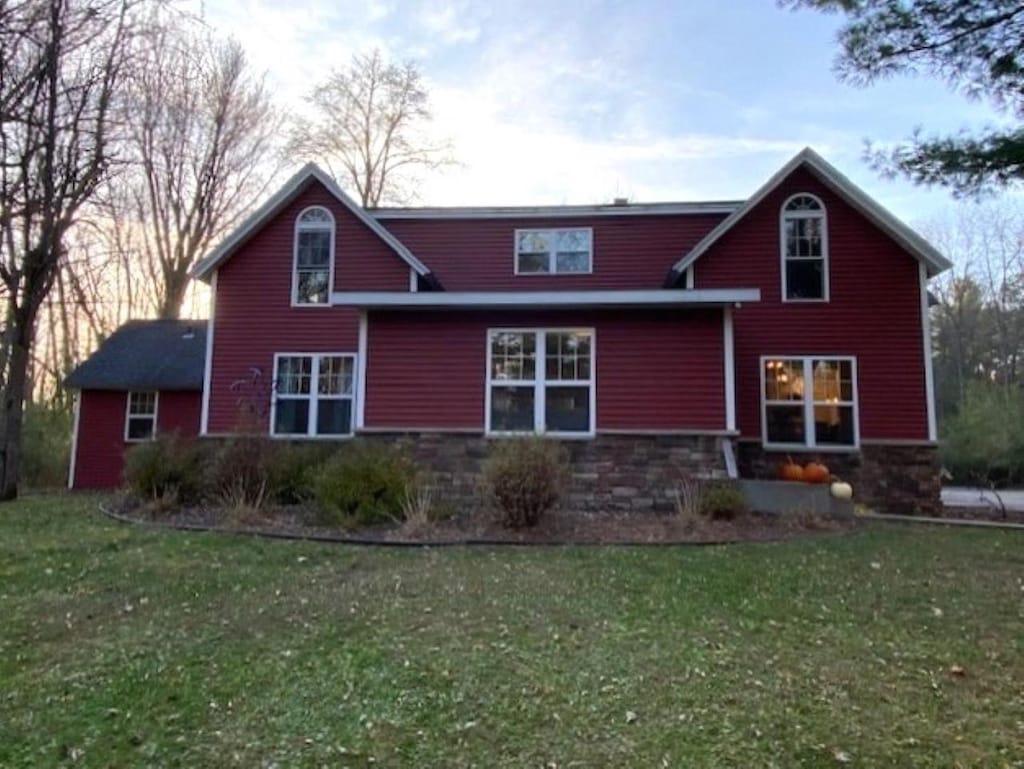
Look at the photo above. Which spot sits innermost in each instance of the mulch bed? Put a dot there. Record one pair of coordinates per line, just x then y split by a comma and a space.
559, 527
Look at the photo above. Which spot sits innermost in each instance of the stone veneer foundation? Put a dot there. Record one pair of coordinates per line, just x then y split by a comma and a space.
901, 478
611, 473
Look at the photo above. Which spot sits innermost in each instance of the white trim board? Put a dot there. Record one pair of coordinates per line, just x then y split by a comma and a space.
285, 195
574, 299
929, 374
916, 245
73, 461
204, 414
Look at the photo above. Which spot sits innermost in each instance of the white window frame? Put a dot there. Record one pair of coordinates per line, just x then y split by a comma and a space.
808, 403
784, 216
300, 227
313, 397
540, 382
129, 414
552, 255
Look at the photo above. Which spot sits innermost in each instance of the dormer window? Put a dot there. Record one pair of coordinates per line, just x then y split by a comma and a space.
314, 257
804, 250
554, 252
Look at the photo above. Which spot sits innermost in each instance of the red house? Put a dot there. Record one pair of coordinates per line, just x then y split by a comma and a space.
654, 339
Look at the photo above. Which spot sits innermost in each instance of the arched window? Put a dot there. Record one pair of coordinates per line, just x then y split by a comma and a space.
313, 266
804, 250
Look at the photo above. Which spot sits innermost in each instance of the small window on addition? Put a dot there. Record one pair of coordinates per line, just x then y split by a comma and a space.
554, 252
140, 421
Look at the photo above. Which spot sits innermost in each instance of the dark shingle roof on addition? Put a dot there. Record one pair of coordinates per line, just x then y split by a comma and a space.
147, 355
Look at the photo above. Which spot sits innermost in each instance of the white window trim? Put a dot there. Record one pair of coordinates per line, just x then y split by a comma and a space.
313, 398
552, 260
808, 405
128, 415
296, 228
540, 383
825, 273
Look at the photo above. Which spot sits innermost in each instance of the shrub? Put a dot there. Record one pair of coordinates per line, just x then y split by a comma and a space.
363, 484
689, 495
722, 501
983, 443
526, 477
166, 468
292, 471
238, 471
46, 446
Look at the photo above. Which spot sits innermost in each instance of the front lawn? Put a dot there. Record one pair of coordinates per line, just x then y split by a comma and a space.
131, 647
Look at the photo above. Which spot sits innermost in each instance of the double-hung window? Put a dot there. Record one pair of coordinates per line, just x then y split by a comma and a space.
804, 250
140, 418
551, 252
540, 381
809, 402
313, 395
314, 257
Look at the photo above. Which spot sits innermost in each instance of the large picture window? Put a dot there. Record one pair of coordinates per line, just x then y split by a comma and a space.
804, 250
540, 381
314, 257
550, 252
809, 402
313, 395
140, 418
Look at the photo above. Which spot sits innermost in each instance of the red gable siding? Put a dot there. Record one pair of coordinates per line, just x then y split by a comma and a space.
254, 318
656, 370
630, 252
99, 453
873, 312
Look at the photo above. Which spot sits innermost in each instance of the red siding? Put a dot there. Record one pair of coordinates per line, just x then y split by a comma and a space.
99, 453
656, 370
873, 312
254, 317
630, 252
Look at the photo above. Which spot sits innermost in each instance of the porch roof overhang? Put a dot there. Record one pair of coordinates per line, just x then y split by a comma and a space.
482, 300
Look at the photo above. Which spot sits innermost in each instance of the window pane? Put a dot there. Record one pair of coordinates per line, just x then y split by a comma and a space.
312, 288
567, 409
533, 241
833, 380
833, 425
513, 356
335, 376
512, 409
334, 417
142, 403
140, 428
784, 380
293, 375
314, 248
568, 356
315, 216
533, 263
805, 279
785, 424
291, 416
572, 261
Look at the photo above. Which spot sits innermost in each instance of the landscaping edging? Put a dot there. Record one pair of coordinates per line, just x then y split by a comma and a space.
968, 522
342, 539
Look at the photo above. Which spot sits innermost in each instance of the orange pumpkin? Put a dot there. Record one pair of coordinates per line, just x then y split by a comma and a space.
815, 472
791, 471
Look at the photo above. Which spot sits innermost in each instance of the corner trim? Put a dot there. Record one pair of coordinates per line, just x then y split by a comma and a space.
926, 340
361, 363
74, 440
204, 418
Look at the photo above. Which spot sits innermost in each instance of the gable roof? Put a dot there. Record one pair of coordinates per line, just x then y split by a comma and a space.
146, 355
917, 246
289, 191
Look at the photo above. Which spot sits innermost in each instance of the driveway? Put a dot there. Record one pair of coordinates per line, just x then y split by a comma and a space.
962, 496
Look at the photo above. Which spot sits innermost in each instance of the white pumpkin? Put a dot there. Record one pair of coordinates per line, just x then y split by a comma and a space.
841, 490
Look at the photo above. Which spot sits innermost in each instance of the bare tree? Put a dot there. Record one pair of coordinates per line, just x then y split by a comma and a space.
198, 150
370, 129
61, 62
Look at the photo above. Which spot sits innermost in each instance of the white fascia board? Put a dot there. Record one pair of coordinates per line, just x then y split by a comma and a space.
846, 189
288, 192
529, 299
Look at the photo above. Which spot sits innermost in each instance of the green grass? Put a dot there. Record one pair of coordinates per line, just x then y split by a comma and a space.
124, 647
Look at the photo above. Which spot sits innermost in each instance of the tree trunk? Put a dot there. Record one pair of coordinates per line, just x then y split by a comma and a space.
13, 409
174, 295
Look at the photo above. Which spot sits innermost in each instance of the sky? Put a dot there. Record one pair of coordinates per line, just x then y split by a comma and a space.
552, 102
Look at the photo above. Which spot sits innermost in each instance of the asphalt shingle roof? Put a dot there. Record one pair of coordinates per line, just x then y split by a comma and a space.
147, 355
